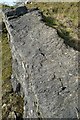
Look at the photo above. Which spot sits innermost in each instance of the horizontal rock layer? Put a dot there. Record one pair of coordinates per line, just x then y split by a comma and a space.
45, 70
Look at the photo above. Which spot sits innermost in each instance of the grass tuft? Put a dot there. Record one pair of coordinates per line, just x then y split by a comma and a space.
10, 100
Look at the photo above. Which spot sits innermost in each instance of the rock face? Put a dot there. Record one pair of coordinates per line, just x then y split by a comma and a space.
13, 13
45, 70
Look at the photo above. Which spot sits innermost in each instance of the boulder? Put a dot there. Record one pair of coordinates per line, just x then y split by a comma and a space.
44, 67
15, 12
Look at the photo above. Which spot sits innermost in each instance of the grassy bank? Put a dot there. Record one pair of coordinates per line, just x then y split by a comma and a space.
11, 102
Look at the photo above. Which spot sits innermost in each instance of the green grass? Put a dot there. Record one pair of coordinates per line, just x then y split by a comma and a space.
0, 6
6, 6
63, 17
13, 101
6, 58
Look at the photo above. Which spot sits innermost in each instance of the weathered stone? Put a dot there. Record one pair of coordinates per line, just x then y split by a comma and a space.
45, 68
15, 12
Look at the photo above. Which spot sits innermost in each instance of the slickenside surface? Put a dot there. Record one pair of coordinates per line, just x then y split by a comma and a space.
45, 67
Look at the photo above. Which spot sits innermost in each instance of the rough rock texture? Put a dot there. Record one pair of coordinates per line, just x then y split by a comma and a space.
45, 70
13, 13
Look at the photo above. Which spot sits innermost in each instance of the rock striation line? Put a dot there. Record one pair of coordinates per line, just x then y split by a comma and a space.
45, 70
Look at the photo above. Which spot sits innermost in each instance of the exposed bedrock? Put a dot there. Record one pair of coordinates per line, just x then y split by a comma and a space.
45, 70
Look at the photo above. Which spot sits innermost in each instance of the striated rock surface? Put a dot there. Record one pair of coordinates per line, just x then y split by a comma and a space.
45, 70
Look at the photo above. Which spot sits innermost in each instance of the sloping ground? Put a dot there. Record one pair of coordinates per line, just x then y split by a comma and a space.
12, 103
44, 68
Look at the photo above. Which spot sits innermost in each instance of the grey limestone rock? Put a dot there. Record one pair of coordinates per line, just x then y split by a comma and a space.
45, 68
15, 12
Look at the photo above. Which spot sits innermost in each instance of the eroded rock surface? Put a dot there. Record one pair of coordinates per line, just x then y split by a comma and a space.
45, 70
